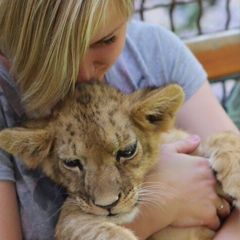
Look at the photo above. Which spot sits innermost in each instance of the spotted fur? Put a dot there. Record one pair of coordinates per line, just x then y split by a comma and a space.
99, 144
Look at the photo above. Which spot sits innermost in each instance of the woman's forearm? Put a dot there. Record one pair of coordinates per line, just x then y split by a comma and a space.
10, 227
145, 225
230, 228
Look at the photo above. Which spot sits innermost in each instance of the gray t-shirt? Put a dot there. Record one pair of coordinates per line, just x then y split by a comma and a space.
152, 56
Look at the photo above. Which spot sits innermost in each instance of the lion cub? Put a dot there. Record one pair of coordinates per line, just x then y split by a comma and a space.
99, 144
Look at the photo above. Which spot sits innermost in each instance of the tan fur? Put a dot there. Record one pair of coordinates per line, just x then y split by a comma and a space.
99, 144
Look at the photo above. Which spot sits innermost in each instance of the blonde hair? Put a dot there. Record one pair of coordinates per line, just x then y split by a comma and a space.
45, 41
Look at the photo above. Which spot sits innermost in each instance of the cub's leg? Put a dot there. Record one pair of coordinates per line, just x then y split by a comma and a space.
223, 151
192, 233
73, 224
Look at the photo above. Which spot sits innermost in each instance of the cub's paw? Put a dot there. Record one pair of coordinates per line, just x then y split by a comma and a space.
191, 233
112, 231
224, 156
95, 231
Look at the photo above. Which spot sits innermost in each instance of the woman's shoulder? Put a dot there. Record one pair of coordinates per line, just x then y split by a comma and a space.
155, 56
135, 26
144, 57
153, 42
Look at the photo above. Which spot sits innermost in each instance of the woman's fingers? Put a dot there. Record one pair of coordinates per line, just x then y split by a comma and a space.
187, 145
224, 208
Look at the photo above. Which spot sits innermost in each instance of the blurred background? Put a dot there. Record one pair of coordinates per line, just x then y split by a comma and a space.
211, 29
190, 17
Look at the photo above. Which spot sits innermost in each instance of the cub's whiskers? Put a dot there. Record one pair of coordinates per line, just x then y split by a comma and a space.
155, 194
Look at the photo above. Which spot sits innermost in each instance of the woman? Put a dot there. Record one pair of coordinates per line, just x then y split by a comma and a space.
47, 47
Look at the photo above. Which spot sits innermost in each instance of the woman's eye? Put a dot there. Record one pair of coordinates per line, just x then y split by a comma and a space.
127, 153
110, 40
73, 163
104, 42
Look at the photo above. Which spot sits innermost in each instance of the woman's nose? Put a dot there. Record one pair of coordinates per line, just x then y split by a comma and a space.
86, 70
89, 68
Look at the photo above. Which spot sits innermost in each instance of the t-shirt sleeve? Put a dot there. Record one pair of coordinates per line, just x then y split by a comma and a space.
6, 165
8, 98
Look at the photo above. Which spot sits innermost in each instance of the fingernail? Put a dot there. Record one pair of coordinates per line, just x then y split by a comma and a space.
194, 138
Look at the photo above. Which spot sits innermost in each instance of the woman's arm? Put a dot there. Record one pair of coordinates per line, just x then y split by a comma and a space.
230, 228
203, 115
10, 227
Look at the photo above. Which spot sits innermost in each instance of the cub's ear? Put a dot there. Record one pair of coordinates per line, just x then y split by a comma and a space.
36, 123
31, 145
156, 108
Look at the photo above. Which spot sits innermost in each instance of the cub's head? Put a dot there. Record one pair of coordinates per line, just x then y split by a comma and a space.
99, 143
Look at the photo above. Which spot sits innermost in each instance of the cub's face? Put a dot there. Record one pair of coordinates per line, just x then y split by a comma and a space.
103, 162
99, 144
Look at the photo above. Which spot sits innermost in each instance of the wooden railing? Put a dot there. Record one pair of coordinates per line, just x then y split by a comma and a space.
219, 53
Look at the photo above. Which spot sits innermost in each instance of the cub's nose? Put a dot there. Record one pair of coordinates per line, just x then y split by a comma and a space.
107, 204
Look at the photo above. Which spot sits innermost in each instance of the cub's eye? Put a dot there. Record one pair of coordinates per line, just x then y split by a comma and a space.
73, 163
127, 153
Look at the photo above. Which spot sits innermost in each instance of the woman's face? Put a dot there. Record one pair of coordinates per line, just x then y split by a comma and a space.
104, 49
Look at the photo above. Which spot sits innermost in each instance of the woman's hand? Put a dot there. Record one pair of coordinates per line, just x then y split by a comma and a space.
179, 192
182, 186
